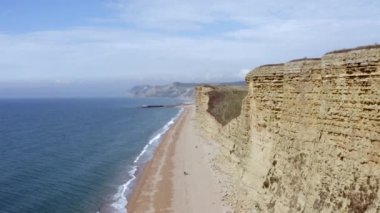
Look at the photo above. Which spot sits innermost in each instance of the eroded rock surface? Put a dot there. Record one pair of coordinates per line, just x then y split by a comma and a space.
307, 138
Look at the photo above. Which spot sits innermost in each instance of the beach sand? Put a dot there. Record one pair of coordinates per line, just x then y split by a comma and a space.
179, 178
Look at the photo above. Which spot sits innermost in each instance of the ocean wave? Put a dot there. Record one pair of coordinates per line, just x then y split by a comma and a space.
120, 200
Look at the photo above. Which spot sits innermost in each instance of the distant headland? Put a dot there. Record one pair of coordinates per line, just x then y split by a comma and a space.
174, 90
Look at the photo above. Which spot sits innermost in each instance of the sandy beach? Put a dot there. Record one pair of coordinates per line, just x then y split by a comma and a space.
179, 178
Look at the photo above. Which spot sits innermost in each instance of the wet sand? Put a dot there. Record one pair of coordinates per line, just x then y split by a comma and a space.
179, 178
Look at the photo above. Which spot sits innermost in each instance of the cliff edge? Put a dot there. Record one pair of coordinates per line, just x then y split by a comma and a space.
307, 138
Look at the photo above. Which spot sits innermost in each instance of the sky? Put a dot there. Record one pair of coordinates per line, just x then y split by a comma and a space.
116, 44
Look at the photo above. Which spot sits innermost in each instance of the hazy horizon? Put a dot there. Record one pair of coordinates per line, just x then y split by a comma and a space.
103, 47
76, 89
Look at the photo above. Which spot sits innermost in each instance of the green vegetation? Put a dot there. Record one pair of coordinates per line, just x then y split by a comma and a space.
225, 103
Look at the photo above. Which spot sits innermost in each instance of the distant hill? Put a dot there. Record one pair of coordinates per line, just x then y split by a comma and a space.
173, 90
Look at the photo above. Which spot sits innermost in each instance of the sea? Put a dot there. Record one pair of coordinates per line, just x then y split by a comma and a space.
76, 155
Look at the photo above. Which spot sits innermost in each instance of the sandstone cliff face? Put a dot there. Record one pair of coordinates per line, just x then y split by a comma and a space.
308, 136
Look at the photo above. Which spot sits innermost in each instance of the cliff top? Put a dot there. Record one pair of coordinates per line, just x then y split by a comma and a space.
272, 65
367, 47
305, 59
352, 55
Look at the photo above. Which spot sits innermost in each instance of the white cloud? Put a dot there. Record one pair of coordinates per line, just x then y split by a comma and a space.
182, 14
243, 73
104, 53
173, 40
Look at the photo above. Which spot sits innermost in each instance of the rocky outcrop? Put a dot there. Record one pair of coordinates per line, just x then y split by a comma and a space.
307, 138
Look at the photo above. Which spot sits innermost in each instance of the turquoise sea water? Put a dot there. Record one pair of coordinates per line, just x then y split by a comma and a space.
75, 155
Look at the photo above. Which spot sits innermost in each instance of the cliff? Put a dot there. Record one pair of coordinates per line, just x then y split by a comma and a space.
307, 138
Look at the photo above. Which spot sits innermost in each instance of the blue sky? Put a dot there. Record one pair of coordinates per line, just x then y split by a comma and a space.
159, 41
22, 16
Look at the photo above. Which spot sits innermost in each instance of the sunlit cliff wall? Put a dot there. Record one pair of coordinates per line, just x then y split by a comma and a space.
307, 138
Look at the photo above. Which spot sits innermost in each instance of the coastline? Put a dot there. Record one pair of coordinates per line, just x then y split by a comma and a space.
121, 198
179, 177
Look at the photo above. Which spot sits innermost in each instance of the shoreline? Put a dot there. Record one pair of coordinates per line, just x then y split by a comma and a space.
179, 177
125, 190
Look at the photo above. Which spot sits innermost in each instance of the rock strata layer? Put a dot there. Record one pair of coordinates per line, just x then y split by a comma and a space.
307, 138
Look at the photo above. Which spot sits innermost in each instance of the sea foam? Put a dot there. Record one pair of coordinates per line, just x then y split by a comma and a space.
120, 200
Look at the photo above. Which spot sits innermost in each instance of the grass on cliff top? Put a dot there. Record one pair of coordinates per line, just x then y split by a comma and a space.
225, 103
373, 46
